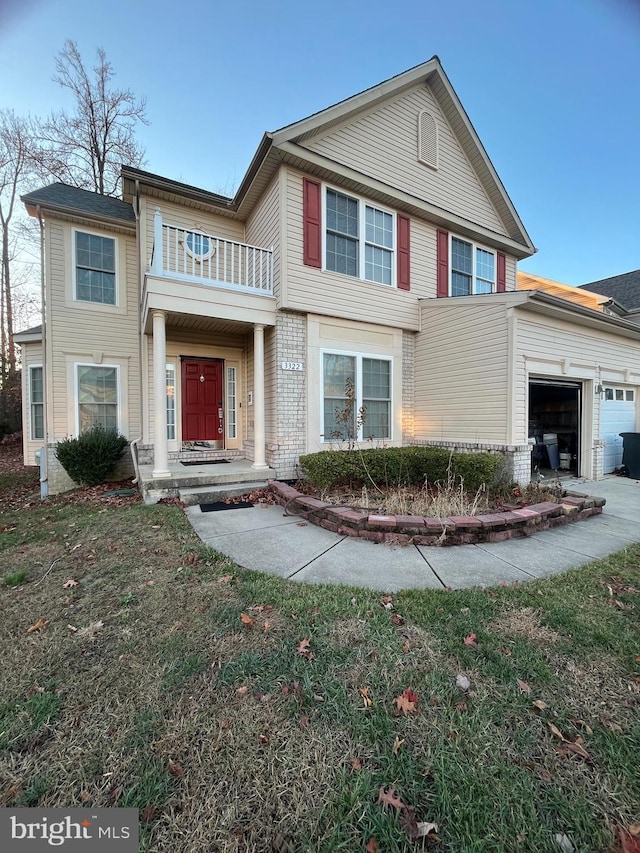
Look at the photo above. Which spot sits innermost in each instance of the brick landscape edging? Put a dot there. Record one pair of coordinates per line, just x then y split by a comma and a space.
422, 530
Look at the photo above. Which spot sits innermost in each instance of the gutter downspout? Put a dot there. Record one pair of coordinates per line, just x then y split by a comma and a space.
134, 444
44, 467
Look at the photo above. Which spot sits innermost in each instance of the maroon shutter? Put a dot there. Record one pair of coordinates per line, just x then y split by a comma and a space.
501, 281
311, 216
443, 263
404, 250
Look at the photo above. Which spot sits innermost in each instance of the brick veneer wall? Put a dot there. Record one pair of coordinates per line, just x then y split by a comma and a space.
291, 396
517, 457
421, 530
59, 481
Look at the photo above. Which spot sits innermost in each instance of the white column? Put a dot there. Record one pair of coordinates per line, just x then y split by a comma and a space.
156, 263
258, 397
160, 453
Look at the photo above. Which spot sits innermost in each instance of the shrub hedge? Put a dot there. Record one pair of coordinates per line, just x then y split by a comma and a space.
400, 466
89, 458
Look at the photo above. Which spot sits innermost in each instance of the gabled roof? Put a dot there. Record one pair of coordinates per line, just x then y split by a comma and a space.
28, 335
283, 145
581, 296
63, 198
625, 288
432, 74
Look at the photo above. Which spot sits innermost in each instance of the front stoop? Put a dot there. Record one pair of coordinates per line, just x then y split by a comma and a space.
202, 483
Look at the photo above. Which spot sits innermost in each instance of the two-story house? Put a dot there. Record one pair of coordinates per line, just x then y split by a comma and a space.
371, 245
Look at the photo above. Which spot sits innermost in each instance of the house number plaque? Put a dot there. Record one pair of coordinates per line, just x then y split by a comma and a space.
292, 365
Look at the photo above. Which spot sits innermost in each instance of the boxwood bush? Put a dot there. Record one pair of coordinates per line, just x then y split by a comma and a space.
400, 466
90, 457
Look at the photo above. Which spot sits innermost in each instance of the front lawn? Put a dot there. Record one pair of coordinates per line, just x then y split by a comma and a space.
239, 712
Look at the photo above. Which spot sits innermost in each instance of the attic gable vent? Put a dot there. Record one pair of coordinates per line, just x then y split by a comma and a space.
427, 139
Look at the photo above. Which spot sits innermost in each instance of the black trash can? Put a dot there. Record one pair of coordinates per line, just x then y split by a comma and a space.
631, 454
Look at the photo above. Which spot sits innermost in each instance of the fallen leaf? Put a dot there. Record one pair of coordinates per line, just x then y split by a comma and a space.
304, 650
318, 697
69, 584
387, 602
397, 619
540, 705
303, 722
37, 626
544, 775
85, 796
426, 829
372, 846
266, 626
587, 728
505, 651
356, 764
634, 830
367, 700
460, 706
242, 691
579, 750
628, 843
72, 628
556, 731
225, 579
406, 648
388, 798
406, 702
397, 744
523, 686
470, 640
564, 843
247, 620
148, 814
175, 769
463, 682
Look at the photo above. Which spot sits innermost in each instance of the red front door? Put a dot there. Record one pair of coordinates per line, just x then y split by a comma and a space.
202, 396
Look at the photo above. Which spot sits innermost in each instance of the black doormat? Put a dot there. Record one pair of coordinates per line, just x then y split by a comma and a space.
220, 505
205, 462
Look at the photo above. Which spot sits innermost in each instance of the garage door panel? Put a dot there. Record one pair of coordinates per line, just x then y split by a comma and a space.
615, 417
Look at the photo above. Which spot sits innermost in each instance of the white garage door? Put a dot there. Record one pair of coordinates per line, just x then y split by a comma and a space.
617, 414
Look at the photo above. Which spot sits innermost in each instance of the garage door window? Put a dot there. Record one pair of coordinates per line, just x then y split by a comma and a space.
619, 395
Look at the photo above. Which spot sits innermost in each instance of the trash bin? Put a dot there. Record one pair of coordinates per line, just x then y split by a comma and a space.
631, 454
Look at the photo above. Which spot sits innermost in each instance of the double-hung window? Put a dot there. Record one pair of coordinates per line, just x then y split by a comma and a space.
356, 397
95, 264
97, 395
36, 403
359, 238
473, 268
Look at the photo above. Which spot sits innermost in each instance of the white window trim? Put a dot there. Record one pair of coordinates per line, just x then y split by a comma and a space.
362, 204
474, 246
228, 408
359, 356
32, 437
76, 396
74, 268
170, 363
613, 389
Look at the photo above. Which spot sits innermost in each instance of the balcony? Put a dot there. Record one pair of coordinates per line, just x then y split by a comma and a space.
196, 257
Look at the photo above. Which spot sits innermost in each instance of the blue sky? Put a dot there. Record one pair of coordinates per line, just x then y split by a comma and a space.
551, 86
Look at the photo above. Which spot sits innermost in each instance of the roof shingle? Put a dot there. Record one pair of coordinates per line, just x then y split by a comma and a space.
72, 199
625, 288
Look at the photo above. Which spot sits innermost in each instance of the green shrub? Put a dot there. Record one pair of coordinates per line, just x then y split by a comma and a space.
90, 457
399, 466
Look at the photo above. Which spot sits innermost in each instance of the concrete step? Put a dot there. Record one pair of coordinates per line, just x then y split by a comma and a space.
217, 492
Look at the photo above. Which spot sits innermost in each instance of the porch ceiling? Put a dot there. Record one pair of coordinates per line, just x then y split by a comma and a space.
202, 325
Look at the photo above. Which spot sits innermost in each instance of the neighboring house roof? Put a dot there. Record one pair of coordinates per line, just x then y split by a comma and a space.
625, 288
581, 296
63, 198
28, 335
288, 145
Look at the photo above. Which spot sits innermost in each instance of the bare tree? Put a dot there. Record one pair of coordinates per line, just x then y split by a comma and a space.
86, 147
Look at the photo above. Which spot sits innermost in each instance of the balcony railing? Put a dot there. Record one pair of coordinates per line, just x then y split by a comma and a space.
180, 253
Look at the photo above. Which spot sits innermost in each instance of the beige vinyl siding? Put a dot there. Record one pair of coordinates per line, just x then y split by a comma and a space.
31, 356
189, 219
382, 144
562, 350
461, 372
87, 333
263, 228
322, 292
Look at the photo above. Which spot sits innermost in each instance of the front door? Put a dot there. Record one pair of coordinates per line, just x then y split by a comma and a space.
202, 396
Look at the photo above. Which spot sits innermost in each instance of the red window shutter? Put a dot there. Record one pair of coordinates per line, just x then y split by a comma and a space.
443, 263
311, 217
404, 251
501, 280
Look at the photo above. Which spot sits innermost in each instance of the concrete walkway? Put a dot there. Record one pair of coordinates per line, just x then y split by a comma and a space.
264, 539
